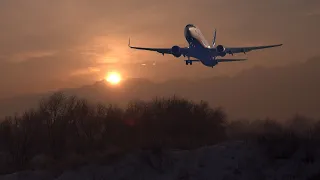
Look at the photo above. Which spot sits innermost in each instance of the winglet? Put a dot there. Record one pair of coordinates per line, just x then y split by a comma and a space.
214, 38
129, 43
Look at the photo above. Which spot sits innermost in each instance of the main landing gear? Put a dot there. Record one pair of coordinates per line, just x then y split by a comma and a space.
188, 62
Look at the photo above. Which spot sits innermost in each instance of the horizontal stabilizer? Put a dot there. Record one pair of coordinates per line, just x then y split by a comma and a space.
229, 60
193, 60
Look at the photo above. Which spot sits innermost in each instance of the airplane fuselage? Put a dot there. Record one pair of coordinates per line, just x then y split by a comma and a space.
198, 46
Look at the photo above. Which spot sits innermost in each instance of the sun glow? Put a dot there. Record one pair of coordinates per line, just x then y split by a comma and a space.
113, 78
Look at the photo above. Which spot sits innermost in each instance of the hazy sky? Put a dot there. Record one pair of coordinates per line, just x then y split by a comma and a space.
47, 44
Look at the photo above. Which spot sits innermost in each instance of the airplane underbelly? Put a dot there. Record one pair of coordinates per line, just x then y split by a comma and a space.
209, 62
203, 55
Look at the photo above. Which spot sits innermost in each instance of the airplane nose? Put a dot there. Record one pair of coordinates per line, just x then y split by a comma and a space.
187, 31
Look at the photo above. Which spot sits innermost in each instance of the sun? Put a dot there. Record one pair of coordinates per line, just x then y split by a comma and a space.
113, 78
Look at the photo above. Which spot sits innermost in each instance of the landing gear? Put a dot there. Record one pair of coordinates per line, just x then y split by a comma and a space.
188, 62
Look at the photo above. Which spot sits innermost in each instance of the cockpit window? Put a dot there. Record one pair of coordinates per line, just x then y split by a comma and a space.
190, 25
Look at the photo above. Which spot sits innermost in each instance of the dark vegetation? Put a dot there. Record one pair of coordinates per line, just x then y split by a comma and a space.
70, 131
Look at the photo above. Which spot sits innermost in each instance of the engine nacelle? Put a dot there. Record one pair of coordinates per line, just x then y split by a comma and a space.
176, 51
220, 49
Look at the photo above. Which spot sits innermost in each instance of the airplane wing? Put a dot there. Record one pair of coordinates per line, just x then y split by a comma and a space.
233, 50
159, 50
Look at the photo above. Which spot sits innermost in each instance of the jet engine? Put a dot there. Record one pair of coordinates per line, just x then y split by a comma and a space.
221, 50
176, 51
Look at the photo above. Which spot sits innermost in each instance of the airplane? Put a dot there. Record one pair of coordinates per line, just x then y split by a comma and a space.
200, 49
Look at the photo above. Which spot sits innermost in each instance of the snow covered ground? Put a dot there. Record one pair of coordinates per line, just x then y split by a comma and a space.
230, 160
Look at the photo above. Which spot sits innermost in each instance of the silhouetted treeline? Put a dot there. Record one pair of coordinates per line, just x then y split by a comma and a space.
62, 127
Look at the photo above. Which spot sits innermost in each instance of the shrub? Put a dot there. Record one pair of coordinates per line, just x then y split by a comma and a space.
62, 126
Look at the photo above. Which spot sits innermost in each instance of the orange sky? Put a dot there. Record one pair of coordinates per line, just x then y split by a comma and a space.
47, 44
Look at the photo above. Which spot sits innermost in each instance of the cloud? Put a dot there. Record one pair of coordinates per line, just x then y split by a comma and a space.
314, 13
85, 71
21, 57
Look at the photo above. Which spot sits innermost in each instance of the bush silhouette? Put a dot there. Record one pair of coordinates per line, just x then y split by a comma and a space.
70, 130
280, 140
61, 126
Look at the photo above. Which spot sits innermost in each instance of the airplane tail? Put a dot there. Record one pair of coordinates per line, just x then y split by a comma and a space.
214, 38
